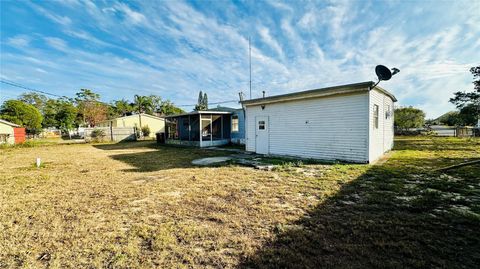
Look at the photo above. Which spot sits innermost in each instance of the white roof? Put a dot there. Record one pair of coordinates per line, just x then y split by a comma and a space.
134, 115
9, 123
342, 89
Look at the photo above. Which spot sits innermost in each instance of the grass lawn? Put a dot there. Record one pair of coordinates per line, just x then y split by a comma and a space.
138, 205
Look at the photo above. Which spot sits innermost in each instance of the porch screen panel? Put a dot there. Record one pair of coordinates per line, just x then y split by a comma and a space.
172, 131
194, 128
206, 127
217, 127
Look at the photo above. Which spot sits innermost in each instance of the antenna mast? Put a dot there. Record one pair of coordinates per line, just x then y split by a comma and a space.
250, 64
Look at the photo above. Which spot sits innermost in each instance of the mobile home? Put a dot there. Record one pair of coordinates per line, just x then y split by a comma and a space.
349, 123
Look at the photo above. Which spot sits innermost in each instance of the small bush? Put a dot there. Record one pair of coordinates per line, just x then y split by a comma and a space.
98, 135
146, 130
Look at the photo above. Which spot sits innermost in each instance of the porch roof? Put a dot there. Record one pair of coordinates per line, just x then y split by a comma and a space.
208, 112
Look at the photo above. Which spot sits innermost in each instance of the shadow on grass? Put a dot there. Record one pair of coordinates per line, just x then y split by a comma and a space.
127, 145
160, 158
390, 217
437, 144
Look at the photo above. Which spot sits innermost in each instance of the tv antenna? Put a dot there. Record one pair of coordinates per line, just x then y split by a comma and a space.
250, 64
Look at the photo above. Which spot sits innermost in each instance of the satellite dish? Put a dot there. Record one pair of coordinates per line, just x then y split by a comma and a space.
383, 73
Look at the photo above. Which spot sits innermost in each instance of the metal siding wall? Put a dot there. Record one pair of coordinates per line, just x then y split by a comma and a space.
241, 125
388, 125
323, 128
381, 139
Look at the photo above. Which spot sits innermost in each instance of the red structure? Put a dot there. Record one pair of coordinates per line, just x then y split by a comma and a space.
19, 134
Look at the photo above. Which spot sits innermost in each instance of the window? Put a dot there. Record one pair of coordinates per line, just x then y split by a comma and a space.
172, 130
261, 125
375, 116
235, 123
3, 138
388, 113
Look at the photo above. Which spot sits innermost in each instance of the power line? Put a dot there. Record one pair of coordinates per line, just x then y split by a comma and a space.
14, 84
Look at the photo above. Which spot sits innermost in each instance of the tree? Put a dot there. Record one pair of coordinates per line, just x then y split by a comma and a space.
156, 103
452, 118
22, 114
468, 103
66, 115
35, 99
90, 109
50, 110
205, 101
168, 108
202, 103
122, 107
409, 117
143, 104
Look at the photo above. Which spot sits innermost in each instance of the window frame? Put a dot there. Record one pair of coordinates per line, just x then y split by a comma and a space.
376, 112
262, 123
235, 123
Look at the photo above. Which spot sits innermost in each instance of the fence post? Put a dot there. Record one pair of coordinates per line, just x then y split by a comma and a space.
111, 131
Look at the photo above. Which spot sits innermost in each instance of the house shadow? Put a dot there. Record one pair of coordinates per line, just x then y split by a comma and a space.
127, 145
389, 217
162, 157
428, 144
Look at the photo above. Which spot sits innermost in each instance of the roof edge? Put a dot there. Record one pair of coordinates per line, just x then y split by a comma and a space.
317, 93
200, 112
394, 99
142, 114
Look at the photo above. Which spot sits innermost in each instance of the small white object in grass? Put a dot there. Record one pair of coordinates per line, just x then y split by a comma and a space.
39, 162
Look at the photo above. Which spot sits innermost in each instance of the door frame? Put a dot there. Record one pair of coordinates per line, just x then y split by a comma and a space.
267, 131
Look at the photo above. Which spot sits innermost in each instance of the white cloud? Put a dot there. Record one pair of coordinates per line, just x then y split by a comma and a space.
56, 43
270, 41
62, 20
19, 41
132, 16
175, 50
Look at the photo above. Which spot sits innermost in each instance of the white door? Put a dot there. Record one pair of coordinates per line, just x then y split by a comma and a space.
261, 135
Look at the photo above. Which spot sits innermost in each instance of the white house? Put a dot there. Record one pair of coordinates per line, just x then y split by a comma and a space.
350, 123
7, 132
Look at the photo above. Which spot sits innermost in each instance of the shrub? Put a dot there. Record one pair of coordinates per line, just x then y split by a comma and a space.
98, 135
146, 130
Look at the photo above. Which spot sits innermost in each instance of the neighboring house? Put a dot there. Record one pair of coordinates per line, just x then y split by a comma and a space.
204, 128
11, 133
237, 124
156, 124
350, 123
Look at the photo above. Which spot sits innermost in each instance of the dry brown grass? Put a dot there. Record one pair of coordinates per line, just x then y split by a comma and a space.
135, 205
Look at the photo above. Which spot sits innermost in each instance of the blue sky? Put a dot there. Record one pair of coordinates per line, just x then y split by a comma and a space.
176, 48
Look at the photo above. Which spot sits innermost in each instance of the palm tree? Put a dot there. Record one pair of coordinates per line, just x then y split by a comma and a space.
142, 105
122, 107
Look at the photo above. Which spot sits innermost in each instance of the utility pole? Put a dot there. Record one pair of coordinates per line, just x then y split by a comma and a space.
250, 64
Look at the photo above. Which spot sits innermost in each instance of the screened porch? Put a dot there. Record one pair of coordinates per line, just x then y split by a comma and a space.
199, 128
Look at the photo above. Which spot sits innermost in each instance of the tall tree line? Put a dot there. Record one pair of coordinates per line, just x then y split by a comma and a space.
36, 111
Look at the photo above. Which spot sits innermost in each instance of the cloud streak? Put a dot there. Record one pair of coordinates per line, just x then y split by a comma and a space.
178, 48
